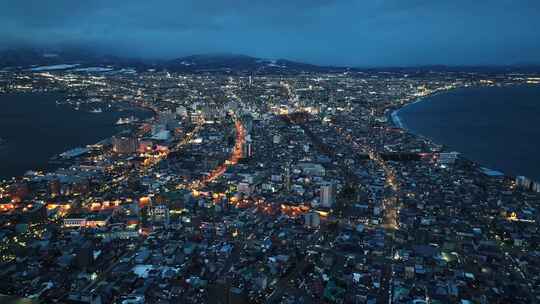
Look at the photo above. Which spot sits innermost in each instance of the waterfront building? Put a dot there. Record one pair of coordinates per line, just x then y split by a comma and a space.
124, 145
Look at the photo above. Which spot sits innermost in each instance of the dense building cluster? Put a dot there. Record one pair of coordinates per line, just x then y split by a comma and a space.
253, 188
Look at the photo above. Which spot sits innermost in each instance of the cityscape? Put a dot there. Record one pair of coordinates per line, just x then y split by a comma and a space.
269, 152
246, 188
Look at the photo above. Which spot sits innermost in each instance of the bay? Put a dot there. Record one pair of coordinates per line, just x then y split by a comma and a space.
33, 128
498, 127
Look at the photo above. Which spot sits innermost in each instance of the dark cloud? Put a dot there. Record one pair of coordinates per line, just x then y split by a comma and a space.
352, 32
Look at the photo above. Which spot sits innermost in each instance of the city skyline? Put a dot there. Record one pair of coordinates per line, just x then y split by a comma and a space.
281, 186
269, 152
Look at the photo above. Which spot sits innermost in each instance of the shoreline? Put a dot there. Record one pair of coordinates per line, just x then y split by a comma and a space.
398, 123
47, 164
394, 115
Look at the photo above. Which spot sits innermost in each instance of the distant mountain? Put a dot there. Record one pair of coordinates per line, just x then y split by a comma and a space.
26, 58
239, 63
29, 57
220, 63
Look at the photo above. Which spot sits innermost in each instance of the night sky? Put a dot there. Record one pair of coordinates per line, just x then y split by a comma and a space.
346, 32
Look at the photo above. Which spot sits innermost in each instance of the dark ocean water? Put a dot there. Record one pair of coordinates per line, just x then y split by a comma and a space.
34, 129
498, 127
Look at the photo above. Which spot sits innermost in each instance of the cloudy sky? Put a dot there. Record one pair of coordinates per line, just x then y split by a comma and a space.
341, 32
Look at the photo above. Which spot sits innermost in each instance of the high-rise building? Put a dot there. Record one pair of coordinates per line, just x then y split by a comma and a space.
247, 122
247, 150
327, 195
159, 214
55, 187
125, 145
523, 182
287, 177
19, 191
312, 219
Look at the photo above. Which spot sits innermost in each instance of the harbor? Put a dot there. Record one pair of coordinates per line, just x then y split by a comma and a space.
37, 128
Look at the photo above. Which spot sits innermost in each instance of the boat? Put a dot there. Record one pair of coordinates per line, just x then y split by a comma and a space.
96, 111
126, 120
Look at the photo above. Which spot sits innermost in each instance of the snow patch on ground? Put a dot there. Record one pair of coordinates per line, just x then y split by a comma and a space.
93, 70
54, 67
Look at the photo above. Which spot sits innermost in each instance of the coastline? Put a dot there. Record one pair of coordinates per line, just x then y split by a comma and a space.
394, 115
75, 129
397, 122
